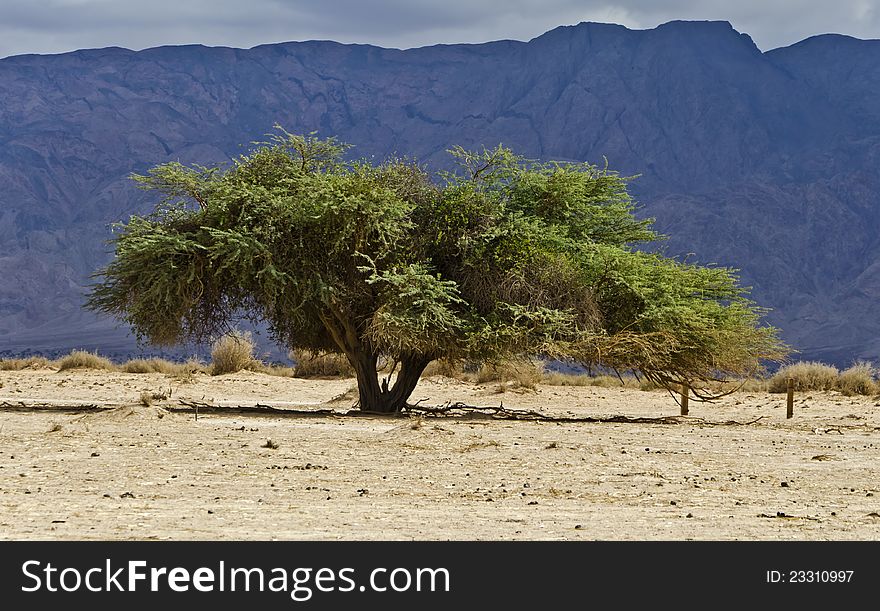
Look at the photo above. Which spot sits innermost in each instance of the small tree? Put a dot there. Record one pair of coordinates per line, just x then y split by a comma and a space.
502, 259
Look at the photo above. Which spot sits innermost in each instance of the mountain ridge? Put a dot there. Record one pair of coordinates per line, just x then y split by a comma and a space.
763, 161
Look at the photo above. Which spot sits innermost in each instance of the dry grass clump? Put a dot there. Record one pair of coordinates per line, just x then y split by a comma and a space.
501, 372
79, 359
31, 362
148, 397
447, 369
185, 373
281, 371
753, 385
643, 384
137, 366
513, 375
806, 375
858, 379
153, 365
232, 352
627, 381
741, 385
181, 371
318, 365
603, 381
527, 375
555, 378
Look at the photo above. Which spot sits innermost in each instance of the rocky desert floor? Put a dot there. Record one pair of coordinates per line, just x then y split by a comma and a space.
82, 458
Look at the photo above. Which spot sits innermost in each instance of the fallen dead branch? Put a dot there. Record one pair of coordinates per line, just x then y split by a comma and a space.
786, 516
447, 410
500, 412
21, 406
256, 410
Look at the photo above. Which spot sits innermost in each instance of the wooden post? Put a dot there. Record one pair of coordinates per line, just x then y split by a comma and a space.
789, 404
684, 399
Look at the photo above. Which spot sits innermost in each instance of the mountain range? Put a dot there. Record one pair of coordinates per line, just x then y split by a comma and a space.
762, 161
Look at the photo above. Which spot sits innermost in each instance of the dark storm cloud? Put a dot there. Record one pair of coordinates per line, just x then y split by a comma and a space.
51, 26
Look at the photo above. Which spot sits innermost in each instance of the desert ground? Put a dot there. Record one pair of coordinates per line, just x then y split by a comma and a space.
83, 458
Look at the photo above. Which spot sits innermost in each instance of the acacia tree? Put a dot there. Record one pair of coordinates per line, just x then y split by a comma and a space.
501, 259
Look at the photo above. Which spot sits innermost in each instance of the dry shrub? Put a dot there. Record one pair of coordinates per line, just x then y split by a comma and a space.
806, 375
603, 381
643, 384
232, 352
186, 372
137, 366
466, 371
607, 381
490, 373
31, 362
741, 385
555, 378
447, 369
156, 365
79, 359
523, 374
858, 379
320, 365
752, 385
149, 366
11, 364
148, 397
511, 375
281, 371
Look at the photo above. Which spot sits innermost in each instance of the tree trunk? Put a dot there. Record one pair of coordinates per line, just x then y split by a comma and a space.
411, 369
369, 392
374, 397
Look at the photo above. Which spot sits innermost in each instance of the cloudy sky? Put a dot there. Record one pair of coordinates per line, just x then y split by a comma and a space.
53, 26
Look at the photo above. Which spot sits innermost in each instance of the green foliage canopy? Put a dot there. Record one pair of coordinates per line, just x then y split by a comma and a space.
501, 259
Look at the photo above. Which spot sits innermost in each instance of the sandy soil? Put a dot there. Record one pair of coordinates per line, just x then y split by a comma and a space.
120, 470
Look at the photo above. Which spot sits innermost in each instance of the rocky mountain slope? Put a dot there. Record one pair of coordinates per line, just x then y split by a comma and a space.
766, 162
